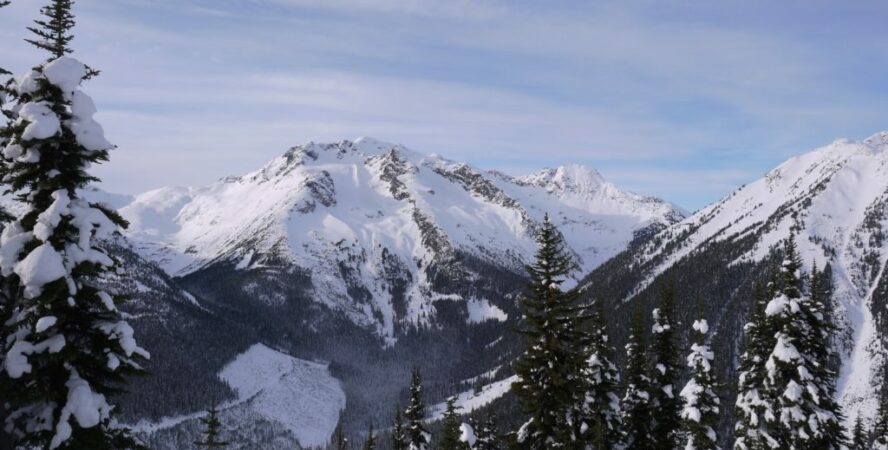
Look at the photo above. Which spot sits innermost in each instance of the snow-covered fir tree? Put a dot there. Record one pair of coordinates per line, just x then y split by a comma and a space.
824, 361
212, 432
399, 436
66, 347
636, 404
601, 408
800, 412
450, 431
700, 410
487, 434
418, 438
664, 374
7, 116
749, 412
370, 441
859, 439
550, 385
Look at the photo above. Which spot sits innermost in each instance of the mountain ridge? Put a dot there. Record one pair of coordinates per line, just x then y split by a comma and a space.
377, 215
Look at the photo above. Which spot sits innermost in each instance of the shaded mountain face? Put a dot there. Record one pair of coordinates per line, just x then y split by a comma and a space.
834, 200
380, 233
364, 256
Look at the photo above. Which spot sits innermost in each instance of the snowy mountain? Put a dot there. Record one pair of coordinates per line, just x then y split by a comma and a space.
383, 231
835, 201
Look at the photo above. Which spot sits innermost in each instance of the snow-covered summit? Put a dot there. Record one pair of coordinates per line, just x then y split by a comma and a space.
356, 213
835, 200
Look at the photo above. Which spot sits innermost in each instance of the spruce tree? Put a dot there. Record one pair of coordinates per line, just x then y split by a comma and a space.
67, 348
879, 432
487, 435
370, 442
750, 432
339, 441
664, 375
601, 403
212, 430
700, 412
823, 359
6, 118
450, 432
797, 386
418, 437
54, 32
859, 436
399, 436
549, 385
3, 71
637, 398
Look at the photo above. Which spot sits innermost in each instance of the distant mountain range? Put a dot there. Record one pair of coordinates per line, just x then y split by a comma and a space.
374, 223
372, 258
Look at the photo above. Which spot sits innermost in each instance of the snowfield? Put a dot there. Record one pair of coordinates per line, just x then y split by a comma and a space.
274, 391
301, 395
471, 400
364, 213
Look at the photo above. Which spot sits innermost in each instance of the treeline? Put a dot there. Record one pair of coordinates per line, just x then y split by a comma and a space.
573, 396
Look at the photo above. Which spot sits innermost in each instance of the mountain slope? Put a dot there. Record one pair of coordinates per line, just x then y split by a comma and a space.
834, 200
382, 231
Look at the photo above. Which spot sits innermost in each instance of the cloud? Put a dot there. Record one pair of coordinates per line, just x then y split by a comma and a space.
197, 89
452, 9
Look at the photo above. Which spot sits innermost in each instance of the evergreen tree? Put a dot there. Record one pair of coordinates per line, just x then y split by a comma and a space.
399, 436
417, 436
859, 438
54, 32
701, 403
6, 118
879, 432
637, 398
750, 432
67, 348
212, 430
823, 361
800, 411
2, 70
549, 385
664, 376
487, 435
339, 441
450, 433
601, 408
370, 443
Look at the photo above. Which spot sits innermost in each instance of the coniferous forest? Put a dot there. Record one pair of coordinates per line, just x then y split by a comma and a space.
746, 325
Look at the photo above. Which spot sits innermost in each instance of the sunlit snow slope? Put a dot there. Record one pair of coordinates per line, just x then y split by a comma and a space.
278, 396
835, 200
368, 216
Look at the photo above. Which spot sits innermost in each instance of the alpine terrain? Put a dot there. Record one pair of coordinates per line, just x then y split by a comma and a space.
363, 256
834, 200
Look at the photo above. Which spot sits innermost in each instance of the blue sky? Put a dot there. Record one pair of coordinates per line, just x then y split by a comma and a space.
684, 100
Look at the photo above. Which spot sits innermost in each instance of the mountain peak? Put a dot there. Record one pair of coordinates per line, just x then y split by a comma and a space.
572, 178
878, 141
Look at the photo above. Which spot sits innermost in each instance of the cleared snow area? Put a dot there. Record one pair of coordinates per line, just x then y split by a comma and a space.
301, 396
482, 311
471, 400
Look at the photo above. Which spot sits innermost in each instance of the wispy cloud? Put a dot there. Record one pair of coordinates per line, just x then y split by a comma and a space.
679, 100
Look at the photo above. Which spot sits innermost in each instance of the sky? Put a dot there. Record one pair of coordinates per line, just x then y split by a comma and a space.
685, 100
